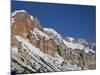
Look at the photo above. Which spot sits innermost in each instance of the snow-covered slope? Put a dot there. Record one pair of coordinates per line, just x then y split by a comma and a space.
53, 32
79, 44
44, 50
72, 45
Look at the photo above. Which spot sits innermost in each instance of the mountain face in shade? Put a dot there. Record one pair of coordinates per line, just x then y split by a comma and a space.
37, 49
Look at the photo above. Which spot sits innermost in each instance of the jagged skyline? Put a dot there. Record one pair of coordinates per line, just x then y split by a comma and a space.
68, 20
39, 50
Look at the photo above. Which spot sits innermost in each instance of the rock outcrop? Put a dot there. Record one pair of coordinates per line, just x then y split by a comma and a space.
22, 24
36, 49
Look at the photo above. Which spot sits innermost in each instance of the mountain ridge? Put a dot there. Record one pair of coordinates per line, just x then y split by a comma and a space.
33, 45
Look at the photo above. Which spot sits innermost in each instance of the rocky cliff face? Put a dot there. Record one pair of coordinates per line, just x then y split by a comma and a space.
36, 49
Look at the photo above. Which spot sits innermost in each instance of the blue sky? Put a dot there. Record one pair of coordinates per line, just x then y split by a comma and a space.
68, 20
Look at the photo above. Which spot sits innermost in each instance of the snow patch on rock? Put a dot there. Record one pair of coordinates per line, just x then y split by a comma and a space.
16, 11
40, 33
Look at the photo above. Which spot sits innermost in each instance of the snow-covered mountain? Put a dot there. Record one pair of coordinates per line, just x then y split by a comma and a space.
38, 49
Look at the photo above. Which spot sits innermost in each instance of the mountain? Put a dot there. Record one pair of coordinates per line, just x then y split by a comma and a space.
36, 49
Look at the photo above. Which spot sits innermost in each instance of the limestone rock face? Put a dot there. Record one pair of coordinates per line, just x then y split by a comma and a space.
36, 49
22, 25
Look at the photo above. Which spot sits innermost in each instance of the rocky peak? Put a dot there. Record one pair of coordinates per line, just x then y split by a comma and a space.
38, 49
23, 23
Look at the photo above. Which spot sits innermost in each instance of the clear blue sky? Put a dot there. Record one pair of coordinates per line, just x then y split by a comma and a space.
68, 20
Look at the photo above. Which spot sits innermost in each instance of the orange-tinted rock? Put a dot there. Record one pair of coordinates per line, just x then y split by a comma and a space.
22, 25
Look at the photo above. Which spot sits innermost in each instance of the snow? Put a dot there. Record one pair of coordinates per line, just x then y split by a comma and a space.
32, 18
72, 45
81, 40
40, 33
70, 39
69, 43
54, 35
17, 11
12, 21
77, 46
50, 30
87, 50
